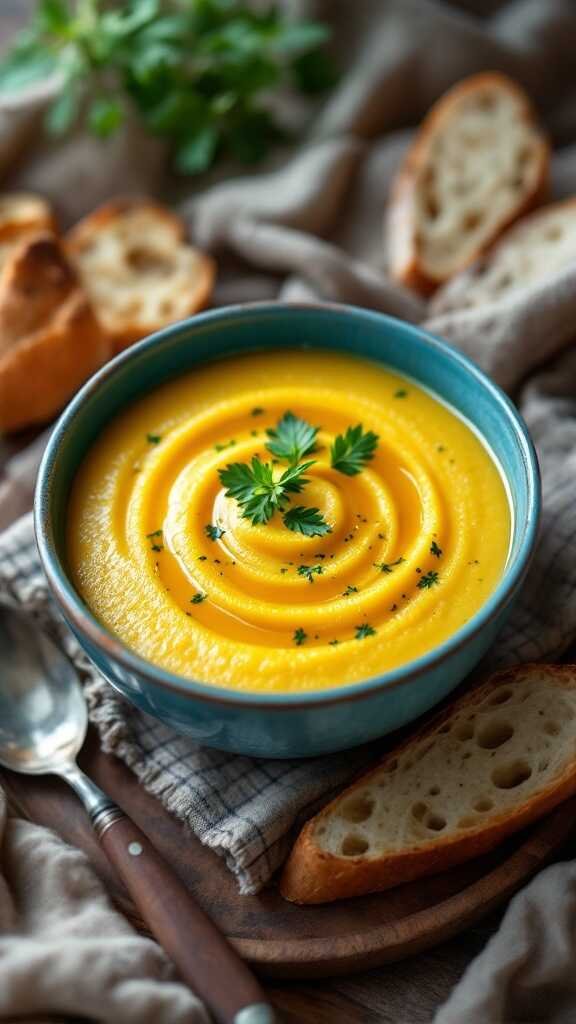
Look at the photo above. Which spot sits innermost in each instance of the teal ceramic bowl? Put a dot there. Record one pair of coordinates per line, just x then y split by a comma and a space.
288, 725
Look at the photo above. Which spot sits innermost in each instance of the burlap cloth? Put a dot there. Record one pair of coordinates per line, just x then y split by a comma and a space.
311, 226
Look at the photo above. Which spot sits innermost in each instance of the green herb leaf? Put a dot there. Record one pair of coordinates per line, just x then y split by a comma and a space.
427, 581
105, 116
195, 154
153, 438
401, 393
257, 491
435, 550
63, 112
214, 532
198, 598
198, 73
156, 533
292, 438
257, 411
388, 567
309, 571
350, 590
352, 450
308, 521
300, 637
364, 631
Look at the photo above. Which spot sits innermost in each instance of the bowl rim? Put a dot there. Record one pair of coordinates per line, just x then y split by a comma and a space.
82, 620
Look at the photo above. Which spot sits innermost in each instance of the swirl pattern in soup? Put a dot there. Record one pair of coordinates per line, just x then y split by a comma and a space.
417, 539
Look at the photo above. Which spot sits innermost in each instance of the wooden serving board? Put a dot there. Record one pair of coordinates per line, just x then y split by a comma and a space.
280, 939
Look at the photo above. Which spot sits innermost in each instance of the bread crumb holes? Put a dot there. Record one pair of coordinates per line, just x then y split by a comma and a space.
511, 774
494, 734
354, 846
357, 809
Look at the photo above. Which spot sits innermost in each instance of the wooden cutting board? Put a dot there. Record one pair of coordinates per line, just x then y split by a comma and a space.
280, 939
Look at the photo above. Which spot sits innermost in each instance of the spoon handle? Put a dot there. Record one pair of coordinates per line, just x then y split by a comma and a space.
203, 956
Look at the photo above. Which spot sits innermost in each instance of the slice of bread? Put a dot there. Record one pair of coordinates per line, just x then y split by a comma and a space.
478, 163
535, 248
22, 215
138, 270
50, 340
497, 759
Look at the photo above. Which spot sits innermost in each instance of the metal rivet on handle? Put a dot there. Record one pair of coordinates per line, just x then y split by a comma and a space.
258, 1013
135, 849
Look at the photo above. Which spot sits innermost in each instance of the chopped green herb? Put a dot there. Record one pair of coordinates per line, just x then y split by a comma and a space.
155, 533
427, 581
222, 447
292, 438
435, 550
440, 448
333, 643
401, 393
157, 547
309, 571
363, 631
352, 450
256, 490
283, 569
388, 567
308, 521
300, 637
131, 60
198, 598
254, 433
153, 438
202, 558
214, 532
257, 411
350, 590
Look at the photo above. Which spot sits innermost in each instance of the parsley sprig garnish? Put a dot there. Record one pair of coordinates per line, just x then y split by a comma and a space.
256, 489
364, 631
196, 74
352, 450
310, 571
214, 532
428, 580
388, 567
308, 521
291, 439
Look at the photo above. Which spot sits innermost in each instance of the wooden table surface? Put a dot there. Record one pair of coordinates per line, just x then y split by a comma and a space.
418, 985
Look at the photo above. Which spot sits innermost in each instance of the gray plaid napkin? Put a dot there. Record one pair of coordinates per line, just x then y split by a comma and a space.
246, 809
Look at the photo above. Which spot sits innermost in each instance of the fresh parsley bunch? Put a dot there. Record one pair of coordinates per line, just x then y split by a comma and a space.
197, 72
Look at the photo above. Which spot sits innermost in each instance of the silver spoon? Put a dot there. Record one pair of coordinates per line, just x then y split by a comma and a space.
43, 721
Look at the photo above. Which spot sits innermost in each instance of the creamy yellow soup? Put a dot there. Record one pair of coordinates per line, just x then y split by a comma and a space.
417, 539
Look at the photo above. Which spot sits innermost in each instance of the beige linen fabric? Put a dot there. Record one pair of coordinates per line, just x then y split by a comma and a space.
311, 226
63, 947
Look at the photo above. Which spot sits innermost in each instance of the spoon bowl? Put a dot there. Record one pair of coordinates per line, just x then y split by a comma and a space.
43, 717
43, 722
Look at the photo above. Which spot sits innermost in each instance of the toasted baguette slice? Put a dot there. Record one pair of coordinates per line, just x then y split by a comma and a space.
50, 340
135, 265
500, 757
22, 214
537, 247
478, 162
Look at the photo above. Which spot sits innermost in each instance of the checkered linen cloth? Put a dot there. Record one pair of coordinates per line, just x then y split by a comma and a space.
246, 809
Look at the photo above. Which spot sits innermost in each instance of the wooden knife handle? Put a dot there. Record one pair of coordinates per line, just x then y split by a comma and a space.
203, 956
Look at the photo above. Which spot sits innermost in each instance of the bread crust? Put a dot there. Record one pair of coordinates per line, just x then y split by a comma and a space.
312, 875
404, 256
22, 215
448, 298
126, 332
50, 340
